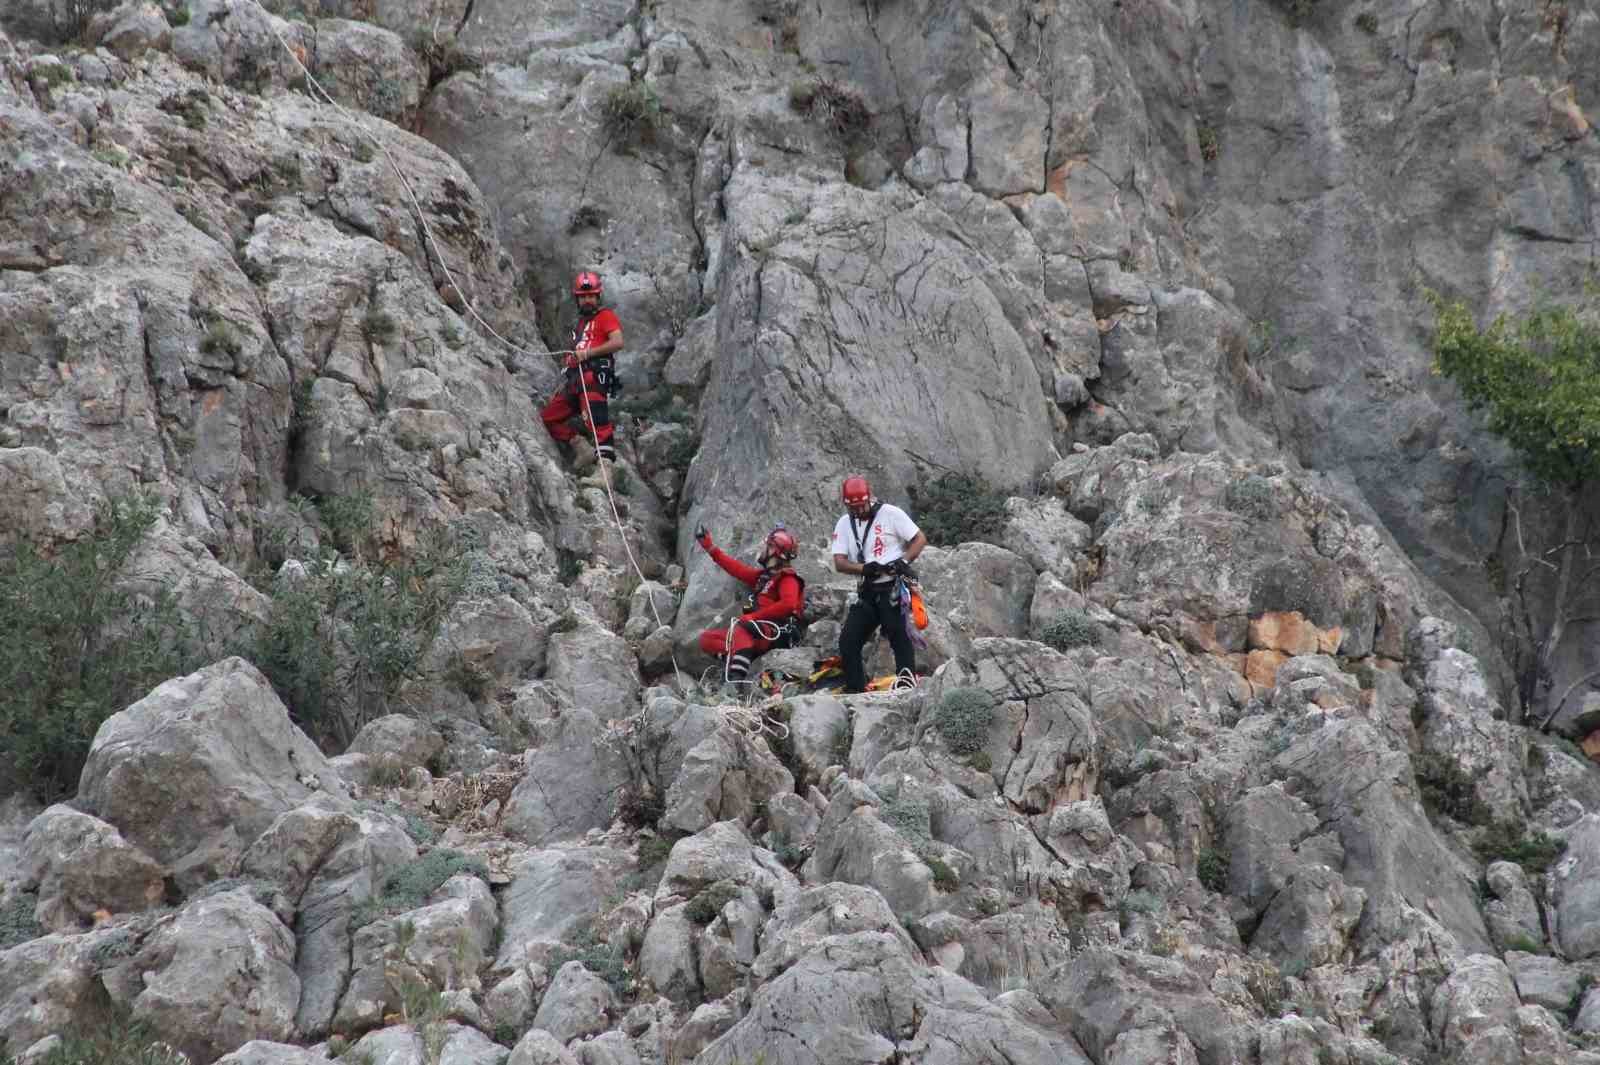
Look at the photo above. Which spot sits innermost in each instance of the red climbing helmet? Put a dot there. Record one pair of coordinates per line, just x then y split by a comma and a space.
780, 544
587, 283
855, 491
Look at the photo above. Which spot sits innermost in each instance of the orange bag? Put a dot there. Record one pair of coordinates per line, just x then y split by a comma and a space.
919, 612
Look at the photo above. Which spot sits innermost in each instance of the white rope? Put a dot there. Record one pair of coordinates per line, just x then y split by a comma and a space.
605, 476
416, 205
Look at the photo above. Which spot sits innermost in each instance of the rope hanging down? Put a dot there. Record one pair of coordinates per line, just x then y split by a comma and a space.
745, 718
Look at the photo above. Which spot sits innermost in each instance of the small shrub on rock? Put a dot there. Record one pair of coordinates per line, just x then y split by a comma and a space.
837, 108
1445, 789
409, 886
944, 877
121, 1041
704, 907
17, 924
959, 508
630, 115
963, 718
605, 960
1069, 629
1505, 841
908, 816
1212, 870
1250, 496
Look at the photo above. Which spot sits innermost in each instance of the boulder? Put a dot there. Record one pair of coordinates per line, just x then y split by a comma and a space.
1576, 890
817, 725
441, 944
727, 776
79, 865
593, 667
723, 852
1543, 981
1043, 532
218, 976
52, 984
265, 1052
667, 957
539, 1047
552, 892
578, 1003
368, 68
972, 591
328, 860
203, 763
398, 736
867, 998
1474, 1014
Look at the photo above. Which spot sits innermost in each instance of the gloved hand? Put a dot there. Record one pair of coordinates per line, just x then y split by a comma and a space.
703, 538
872, 570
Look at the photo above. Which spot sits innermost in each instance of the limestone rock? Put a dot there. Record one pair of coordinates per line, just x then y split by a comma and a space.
723, 778
578, 1003
539, 1047
406, 739
204, 758
368, 67
265, 1052
51, 984
1576, 892
570, 784
79, 865
1475, 1012
724, 852
864, 998
218, 976
594, 668
816, 722
329, 861
550, 894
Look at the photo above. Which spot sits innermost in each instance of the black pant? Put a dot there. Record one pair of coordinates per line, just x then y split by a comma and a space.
876, 606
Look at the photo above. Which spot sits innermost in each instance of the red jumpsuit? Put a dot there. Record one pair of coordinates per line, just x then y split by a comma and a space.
779, 596
568, 402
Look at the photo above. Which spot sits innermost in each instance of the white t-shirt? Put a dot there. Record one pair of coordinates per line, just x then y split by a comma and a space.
892, 529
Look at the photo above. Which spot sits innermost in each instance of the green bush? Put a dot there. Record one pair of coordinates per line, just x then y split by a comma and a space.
958, 508
17, 924
220, 339
1447, 790
81, 645
908, 816
341, 639
963, 717
605, 960
630, 115
1504, 841
1250, 495
1211, 869
409, 886
120, 1041
1069, 629
1367, 23
705, 906
378, 326
944, 877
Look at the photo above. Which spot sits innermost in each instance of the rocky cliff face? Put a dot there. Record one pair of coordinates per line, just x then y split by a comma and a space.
1215, 765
